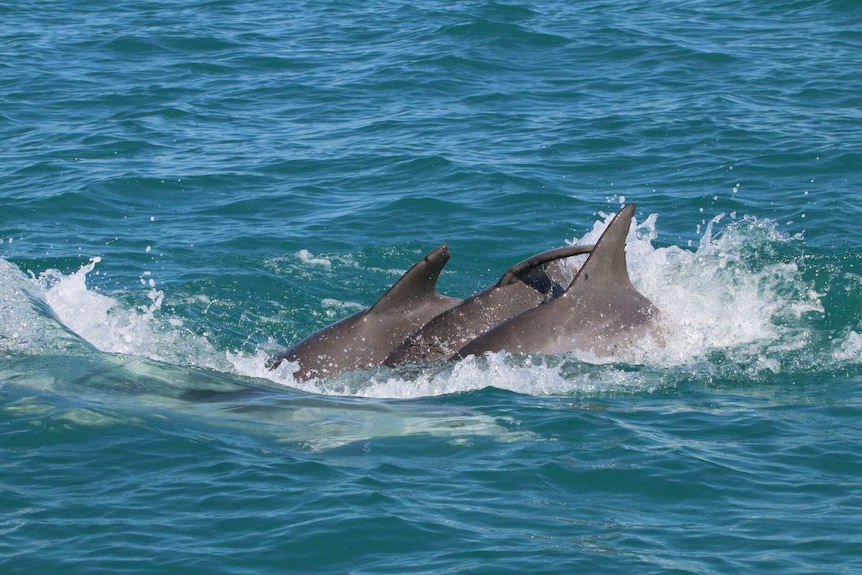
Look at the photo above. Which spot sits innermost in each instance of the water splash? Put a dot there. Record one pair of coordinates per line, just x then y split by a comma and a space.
737, 305
113, 326
306, 257
733, 306
732, 293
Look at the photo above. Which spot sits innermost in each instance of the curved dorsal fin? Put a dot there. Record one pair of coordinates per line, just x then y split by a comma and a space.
417, 283
606, 270
522, 271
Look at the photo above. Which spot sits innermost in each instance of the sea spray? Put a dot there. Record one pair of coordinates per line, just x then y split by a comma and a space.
111, 325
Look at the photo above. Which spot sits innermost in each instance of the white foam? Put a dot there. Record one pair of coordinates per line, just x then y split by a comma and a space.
848, 349
306, 257
710, 298
19, 326
114, 326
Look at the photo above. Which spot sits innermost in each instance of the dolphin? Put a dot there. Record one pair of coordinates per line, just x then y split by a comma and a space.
364, 339
600, 311
524, 286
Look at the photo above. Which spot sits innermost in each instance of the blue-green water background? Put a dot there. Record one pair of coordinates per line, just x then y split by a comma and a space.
247, 172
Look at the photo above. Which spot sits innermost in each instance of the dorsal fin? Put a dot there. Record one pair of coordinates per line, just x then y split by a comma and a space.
539, 262
606, 270
417, 283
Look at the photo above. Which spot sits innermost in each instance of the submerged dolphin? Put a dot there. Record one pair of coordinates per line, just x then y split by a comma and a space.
524, 286
364, 339
600, 311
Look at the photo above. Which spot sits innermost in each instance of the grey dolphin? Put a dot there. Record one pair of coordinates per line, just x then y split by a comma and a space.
600, 311
364, 339
524, 286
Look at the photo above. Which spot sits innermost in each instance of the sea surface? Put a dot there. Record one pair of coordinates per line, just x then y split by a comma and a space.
188, 187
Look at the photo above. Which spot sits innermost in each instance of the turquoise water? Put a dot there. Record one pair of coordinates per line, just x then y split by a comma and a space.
189, 187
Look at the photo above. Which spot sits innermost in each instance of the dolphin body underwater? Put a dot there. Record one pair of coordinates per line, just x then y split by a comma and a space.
526, 311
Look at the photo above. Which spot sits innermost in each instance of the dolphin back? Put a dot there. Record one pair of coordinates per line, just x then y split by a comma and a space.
364, 339
601, 311
523, 286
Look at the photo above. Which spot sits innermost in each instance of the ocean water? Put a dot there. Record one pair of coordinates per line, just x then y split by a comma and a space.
188, 187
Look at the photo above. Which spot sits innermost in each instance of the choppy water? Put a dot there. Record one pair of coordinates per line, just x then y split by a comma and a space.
188, 187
